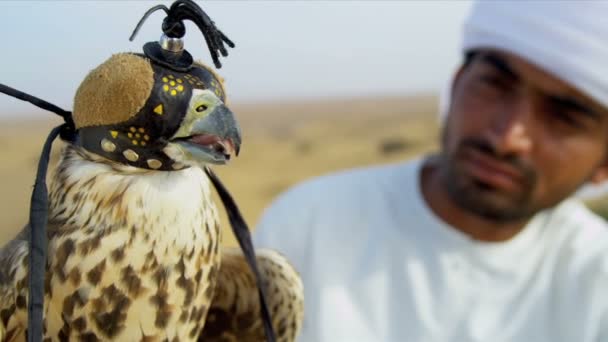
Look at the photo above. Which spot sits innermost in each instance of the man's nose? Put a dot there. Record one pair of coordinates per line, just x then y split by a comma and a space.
510, 130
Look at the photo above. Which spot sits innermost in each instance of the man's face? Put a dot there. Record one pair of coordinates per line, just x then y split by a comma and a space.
517, 139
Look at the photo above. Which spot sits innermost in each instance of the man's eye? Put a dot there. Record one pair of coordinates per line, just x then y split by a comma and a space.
201, 108
566, 117
571, 113
493, 81
490, 86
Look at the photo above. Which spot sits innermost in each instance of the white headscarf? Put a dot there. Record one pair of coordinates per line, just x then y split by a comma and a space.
568, 39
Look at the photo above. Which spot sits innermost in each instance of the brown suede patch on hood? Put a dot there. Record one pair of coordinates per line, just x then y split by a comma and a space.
113, 92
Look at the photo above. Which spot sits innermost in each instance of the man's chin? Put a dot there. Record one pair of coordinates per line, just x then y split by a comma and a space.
497, 214
490, 204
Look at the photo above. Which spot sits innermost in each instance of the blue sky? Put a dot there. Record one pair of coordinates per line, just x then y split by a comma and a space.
285, 49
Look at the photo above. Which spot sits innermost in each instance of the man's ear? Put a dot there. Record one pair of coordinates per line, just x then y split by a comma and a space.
458, 75
447, 95
600, 175
469, 59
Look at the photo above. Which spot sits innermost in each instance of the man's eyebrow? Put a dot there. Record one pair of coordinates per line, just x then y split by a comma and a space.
572, 104
500, 64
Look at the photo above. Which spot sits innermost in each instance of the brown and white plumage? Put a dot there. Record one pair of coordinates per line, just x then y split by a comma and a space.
235, 317
133, 255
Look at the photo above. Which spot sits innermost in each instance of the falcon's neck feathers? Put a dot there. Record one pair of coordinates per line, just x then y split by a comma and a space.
125, 241
92, 193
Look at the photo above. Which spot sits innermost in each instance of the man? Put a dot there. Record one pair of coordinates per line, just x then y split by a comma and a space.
480, 242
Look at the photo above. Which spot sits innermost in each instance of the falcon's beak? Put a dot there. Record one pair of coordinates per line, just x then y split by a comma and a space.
213, 138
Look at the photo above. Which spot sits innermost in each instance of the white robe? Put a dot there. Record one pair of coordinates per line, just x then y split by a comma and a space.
378, 265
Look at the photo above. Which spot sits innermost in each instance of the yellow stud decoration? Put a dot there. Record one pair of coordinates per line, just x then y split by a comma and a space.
107, 145
138, 137
130, 155
194, 80
114, 134
159, 109
132, 129
172, 86
154, 164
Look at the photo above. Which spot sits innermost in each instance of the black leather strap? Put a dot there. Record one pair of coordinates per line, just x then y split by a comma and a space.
174, 27
38, 242
39, 212
243, 236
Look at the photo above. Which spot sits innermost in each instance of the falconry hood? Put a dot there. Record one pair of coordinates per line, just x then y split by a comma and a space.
158, 110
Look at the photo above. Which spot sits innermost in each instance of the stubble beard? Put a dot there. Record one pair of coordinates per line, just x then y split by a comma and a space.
481, 199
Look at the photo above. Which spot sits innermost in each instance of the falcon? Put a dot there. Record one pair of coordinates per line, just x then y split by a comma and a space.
133, 234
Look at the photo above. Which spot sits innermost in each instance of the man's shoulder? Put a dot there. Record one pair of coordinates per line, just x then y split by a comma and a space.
579, 255
584, 235
583, 223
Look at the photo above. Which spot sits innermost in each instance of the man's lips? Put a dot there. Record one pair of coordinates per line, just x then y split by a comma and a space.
492, 171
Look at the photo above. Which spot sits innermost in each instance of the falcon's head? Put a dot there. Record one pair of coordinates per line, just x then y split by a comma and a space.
134, 111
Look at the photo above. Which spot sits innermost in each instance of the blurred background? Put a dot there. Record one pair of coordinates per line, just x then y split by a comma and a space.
317, 86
